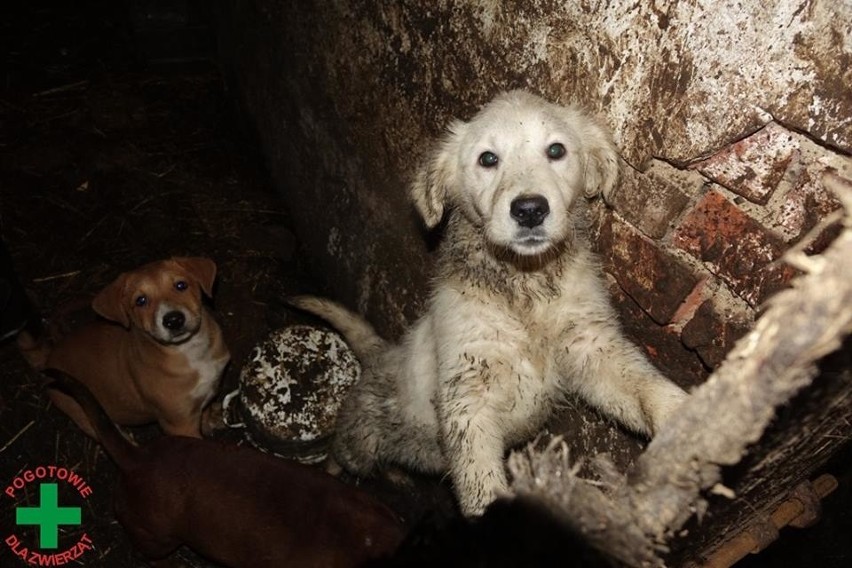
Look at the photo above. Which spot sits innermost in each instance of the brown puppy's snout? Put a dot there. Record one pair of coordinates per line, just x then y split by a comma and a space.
529, 211
174, 321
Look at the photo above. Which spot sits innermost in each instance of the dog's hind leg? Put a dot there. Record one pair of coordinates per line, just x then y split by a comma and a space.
414, 445
372, 430
359, 429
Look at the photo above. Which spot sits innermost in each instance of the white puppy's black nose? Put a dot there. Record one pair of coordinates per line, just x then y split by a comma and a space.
174, 321
529, 211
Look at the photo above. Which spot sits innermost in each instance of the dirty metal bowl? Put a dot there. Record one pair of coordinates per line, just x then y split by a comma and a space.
291, 389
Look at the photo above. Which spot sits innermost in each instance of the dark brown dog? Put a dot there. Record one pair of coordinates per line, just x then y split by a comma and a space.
236, 505
158, 358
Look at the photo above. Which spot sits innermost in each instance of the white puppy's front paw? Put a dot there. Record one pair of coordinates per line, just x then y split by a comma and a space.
664, 405
480, 493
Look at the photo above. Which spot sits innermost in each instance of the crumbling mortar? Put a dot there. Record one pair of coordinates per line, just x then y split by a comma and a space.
814, 139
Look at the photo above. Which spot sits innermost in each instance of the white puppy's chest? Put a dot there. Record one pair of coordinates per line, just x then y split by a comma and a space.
531, 403
526, 355
509, 374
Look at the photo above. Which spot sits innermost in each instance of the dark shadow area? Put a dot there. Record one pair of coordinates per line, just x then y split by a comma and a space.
119, 145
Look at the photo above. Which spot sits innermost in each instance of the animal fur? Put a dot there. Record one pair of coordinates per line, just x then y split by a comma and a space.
519, 315
157, 354
235, 505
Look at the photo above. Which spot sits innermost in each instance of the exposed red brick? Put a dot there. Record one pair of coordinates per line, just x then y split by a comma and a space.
753, 166
691, 303
661, 343
712, 334
655, 278
648, 201
735, 247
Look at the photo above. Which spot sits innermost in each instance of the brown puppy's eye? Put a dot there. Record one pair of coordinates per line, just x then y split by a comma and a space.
142, 301
180, 285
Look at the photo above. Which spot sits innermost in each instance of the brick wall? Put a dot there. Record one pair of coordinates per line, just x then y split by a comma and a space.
694, 250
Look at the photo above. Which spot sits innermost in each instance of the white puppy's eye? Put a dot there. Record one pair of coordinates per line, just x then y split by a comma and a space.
556, 151
488, 159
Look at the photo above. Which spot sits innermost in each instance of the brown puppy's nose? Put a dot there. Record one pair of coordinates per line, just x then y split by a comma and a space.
174, 320
529, 211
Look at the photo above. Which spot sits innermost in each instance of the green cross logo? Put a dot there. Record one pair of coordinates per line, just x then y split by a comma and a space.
48, 516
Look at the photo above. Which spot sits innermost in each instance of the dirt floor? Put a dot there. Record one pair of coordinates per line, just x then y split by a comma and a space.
111, 157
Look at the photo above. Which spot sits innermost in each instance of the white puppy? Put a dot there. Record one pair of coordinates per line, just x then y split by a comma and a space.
519, 315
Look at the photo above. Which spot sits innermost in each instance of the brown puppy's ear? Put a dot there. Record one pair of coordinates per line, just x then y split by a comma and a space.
435, 181
202, 269
108, 303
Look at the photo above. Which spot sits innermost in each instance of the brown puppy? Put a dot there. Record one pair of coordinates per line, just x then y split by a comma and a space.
235, 505
159, 357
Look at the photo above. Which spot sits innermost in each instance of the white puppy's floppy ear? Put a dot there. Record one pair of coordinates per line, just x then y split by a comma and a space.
598, 156
436, 179
600, 161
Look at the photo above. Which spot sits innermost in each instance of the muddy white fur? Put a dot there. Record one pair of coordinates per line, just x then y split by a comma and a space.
519, 316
